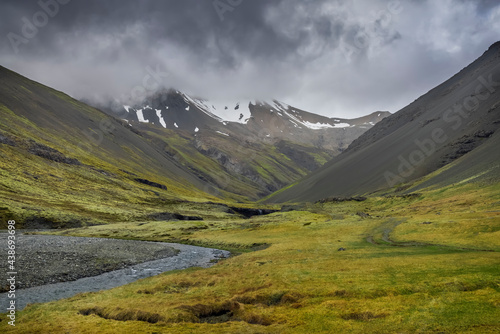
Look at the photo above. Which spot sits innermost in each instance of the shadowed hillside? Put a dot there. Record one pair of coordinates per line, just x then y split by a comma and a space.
451, 130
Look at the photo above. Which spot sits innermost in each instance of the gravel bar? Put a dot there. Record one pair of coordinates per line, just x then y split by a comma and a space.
54, 267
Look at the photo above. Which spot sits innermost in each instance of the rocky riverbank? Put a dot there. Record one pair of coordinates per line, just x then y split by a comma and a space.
45, 259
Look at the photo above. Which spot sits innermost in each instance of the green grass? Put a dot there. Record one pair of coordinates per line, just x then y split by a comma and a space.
33, 186
392, 278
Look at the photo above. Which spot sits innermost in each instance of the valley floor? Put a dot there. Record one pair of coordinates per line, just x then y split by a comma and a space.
428, 263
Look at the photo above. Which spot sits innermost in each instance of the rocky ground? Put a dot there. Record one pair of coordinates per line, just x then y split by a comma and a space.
53, 259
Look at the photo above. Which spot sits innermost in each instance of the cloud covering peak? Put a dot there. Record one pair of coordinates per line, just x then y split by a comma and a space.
333, 57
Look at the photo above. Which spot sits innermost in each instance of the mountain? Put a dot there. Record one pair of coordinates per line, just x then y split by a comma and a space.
446, 136
249, 148
62, 160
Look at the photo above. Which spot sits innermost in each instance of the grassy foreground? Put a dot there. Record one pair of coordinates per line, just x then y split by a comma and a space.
421, 264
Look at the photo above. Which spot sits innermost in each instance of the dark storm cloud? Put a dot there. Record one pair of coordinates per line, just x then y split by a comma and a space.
192, 24
484, 6
329, 56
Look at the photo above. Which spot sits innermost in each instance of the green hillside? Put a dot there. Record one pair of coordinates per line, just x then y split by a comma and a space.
63, 161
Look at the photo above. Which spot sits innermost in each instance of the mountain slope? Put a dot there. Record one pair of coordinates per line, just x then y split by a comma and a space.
64, 158
453, 123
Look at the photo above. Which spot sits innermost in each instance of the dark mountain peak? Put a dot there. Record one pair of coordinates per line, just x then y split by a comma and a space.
495, 46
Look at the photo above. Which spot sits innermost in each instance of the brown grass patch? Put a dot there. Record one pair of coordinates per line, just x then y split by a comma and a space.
257, 319
342, 293
363, 316
223, 312
212, 313
120, 314
276, 298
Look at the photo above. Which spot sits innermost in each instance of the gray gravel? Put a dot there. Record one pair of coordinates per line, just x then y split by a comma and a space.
43, 259
41, 251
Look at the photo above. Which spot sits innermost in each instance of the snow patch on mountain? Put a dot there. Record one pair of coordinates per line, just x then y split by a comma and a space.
140, 116
231, 111
297, 120
342, 125
280, 106
222, 111
319, 126
162, 121
307, 124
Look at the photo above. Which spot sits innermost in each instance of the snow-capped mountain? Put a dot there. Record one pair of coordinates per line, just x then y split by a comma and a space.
253, 120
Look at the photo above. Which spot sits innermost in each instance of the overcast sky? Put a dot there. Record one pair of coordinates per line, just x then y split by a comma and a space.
333, 57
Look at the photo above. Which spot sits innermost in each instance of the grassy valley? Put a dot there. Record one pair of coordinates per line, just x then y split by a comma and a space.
426, 263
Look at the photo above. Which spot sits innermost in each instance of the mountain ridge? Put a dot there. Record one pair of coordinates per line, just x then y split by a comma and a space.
175, 110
